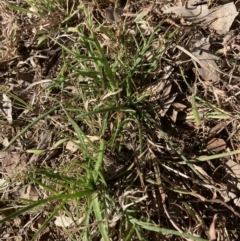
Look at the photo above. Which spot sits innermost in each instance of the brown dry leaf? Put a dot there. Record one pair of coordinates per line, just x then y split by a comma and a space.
64, 221
216, 144
176, 108
7, 108
179, 106
233, 179
72, 147
9, 161
217, 127
212, 231
29, 193
191, 14
174, 115
209, 69
219, 18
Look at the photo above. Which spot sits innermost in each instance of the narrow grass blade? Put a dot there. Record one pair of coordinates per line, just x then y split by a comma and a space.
15, 97
80, 134
81, 182
44, 186
97, 211
37, 152
74, 53
195, 111
216, 156
184, 79
43, 201
213, 107
151, 227
102, 110
99, 162
130, 233
46, 222
17, 8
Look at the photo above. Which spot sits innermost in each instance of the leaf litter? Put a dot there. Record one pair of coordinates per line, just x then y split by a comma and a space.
218, 18
190, 198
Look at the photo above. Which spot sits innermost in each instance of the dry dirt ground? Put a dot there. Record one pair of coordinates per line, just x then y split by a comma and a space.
132, 103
